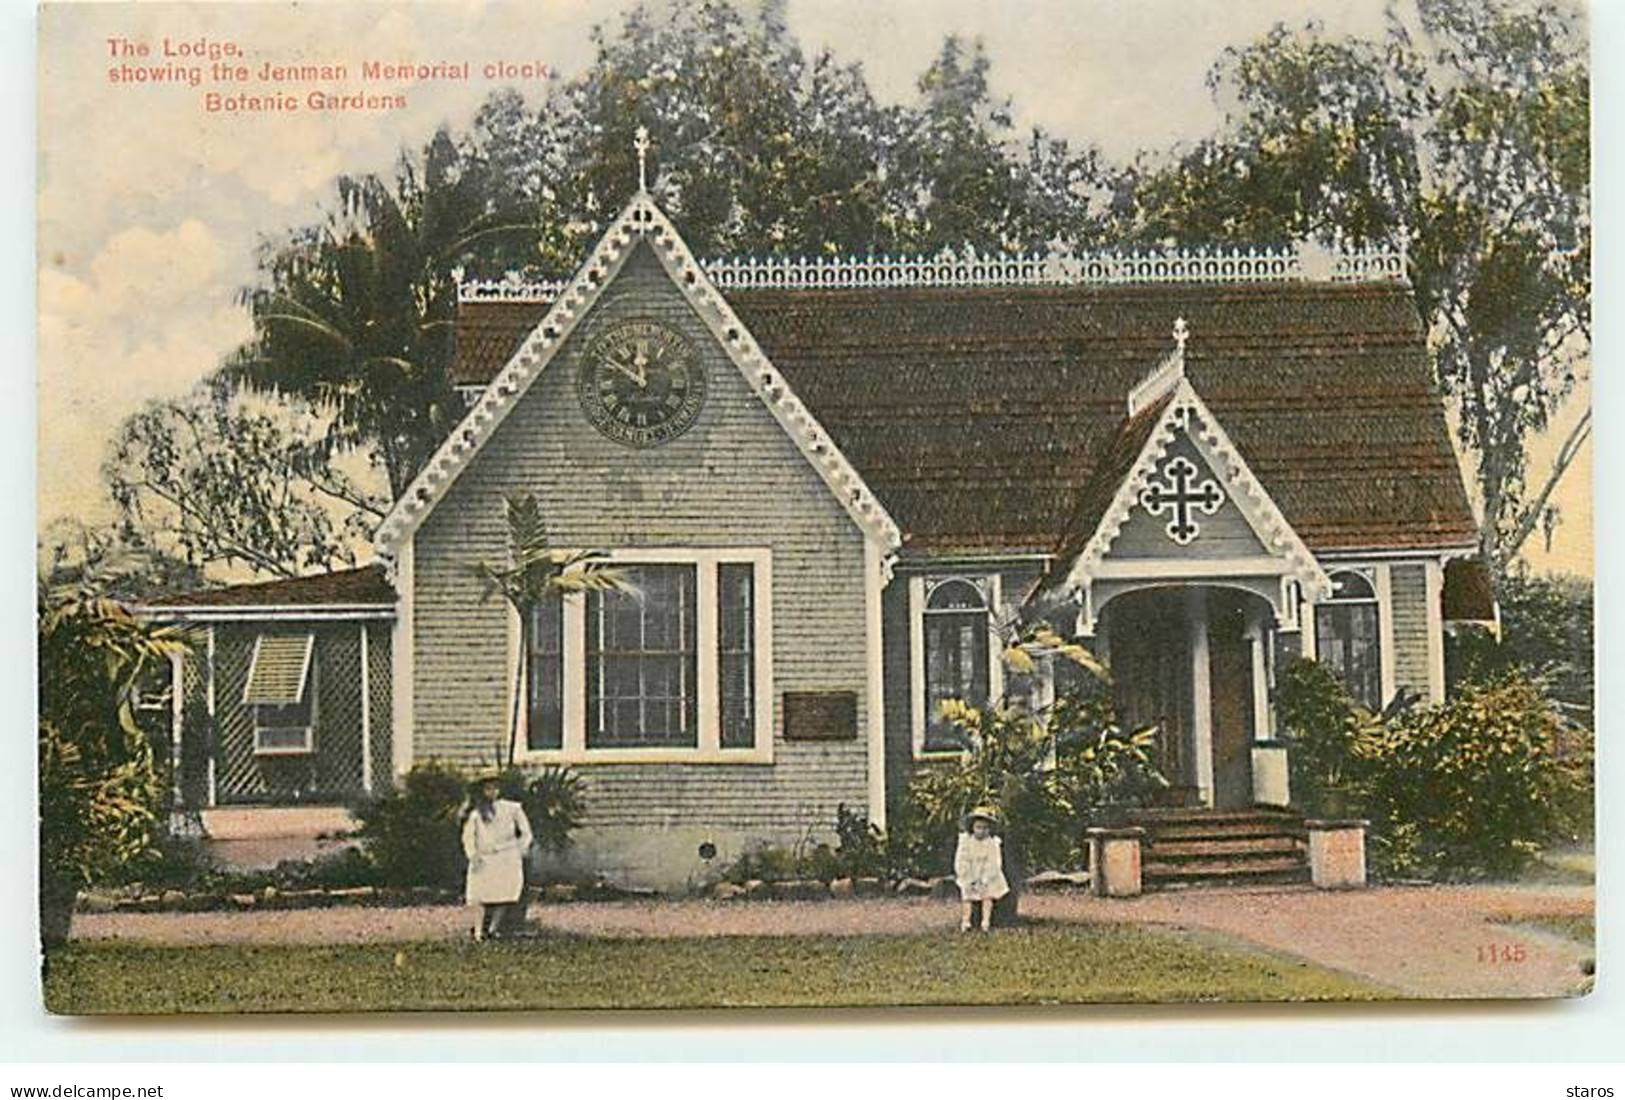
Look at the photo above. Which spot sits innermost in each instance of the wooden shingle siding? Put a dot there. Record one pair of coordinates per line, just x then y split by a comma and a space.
1409, 586
734, 479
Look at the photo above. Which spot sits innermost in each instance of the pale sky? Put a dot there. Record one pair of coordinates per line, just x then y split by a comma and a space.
150, 209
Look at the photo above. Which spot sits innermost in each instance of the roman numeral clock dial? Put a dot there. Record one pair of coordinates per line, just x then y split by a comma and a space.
641, 384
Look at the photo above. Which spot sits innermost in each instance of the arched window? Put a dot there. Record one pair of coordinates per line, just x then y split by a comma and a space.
957, 658
1348, 640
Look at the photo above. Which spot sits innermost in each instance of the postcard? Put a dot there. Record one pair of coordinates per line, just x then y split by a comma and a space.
785, 503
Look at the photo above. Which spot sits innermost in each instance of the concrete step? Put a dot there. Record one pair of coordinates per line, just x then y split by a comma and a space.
1287, 867
1222, 830
1242, 847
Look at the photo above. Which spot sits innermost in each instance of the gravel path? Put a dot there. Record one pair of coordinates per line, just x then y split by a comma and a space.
1419, 941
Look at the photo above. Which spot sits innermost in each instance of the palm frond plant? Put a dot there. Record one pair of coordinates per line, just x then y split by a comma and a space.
101, 790
536, 570
354, 315
1051, 767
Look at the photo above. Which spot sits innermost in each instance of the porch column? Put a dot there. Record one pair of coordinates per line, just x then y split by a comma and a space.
1201, 692
1271, 786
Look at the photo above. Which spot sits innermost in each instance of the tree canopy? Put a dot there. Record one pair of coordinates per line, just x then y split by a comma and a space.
1465, 135
1461, 129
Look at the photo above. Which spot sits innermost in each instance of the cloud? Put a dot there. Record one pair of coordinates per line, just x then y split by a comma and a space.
152, 316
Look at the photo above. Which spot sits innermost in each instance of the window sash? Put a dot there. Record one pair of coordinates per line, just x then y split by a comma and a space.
287, 717
956, 667
1348, 641
642, 661
736, 654
544, 727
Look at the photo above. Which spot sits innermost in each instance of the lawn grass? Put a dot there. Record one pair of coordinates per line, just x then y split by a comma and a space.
1580, 928
1037, 965
1563, 867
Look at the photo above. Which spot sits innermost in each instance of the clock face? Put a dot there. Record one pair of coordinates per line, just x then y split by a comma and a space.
641, 383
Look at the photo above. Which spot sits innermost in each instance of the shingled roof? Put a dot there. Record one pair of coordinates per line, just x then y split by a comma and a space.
365, 587
979, 416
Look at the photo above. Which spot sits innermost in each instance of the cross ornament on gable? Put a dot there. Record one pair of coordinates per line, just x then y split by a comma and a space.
640, 142
1175, 490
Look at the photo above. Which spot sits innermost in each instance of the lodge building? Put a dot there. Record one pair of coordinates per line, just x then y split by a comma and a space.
827, 479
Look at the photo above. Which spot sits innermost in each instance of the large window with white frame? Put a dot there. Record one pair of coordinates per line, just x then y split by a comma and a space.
955, 654
642, 657
679, 667
1348, 636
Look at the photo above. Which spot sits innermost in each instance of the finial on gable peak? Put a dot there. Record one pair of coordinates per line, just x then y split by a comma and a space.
1182, 332
640, 143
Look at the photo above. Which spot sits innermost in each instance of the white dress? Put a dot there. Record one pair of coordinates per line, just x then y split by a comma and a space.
496, 853
979, 868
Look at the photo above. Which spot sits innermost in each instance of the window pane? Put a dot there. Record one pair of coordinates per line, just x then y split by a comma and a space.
736, 645
641, 661
956, 667
546, 674
1347, 642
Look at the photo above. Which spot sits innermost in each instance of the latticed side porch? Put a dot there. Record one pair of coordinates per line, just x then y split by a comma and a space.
244, 738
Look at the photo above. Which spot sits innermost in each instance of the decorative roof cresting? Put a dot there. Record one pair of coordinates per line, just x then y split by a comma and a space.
1303, 261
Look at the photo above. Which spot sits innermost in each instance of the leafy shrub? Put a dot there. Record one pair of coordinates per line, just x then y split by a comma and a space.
1469, 788
1324, 729
555, 802
768, 862
1050, 775
918, 844
101, 793
413, 835
860, 846
1466, 789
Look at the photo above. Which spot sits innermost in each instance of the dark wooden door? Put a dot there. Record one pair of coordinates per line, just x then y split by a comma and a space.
1230, 671
1150, 662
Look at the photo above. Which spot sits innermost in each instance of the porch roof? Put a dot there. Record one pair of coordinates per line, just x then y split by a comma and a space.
986, 419
363, 588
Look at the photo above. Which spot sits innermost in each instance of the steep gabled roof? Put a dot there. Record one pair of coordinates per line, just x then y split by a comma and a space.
980, 415
640, 222
1114, 492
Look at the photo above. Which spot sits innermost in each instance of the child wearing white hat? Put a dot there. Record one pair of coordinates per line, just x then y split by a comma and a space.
979, 867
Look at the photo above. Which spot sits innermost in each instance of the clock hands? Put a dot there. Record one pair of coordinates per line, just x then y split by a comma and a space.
640, 375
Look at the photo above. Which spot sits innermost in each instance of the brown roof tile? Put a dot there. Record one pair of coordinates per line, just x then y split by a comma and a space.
361, 587
980, 416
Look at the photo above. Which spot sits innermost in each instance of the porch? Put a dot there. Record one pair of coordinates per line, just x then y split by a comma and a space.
1197, 661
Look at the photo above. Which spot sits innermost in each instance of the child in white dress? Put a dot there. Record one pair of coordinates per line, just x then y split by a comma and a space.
496, 836
979, 868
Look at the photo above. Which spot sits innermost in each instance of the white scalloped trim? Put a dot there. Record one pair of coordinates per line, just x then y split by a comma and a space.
641, 219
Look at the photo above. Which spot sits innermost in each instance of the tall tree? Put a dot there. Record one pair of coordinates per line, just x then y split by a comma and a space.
115, 560
761, 149
206, 481
1466, 134
354, 315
